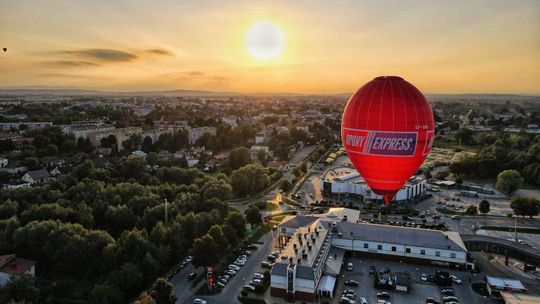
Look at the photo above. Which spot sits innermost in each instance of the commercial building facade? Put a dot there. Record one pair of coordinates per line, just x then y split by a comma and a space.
314, 245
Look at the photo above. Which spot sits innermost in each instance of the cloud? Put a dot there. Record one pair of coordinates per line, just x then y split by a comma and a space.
195, 73
104, 54
163, 52
72, 63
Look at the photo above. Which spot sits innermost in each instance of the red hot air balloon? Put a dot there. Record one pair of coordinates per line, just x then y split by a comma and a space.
387, 130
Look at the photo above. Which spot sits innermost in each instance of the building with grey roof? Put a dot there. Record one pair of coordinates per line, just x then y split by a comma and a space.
314, 246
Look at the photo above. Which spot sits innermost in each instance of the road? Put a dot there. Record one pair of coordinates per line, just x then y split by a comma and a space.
235, 285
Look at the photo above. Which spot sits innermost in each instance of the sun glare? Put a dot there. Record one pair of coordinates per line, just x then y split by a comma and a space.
264, 40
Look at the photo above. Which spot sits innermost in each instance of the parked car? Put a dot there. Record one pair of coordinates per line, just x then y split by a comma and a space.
249, 288
449, 299
349, 291
253, 247
266, 264
351, 283
189, 259
271, 258
199, 301
424, 277
234, 267
349, 266
430, 300
363, 300
247, 252
383, 302
350, 296
259, 276
383, 295
192, 276
455, 217
220, 285
345, 300
447, 292
455, 279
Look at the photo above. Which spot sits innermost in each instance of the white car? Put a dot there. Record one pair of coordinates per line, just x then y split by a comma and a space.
455, 279
199, 301
383, 302
363, 300
258, 276
249, 288
424, 277
350, 266
189, 259
234, 267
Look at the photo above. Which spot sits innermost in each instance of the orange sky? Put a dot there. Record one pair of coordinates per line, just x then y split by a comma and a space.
440, 46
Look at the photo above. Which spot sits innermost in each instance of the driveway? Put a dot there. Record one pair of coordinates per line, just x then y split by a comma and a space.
235, 285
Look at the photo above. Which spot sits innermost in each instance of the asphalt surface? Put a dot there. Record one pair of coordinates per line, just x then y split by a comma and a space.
235, 285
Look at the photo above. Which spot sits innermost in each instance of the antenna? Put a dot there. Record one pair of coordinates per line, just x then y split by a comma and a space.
166, 215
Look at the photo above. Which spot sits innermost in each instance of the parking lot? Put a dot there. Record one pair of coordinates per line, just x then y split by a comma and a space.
418, 289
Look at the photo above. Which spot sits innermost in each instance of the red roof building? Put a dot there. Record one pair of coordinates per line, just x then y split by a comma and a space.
11, 265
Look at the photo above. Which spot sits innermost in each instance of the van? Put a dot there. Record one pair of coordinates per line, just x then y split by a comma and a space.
350, 266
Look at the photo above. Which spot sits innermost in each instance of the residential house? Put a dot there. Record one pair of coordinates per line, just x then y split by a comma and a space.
14, 167
13, 266
36, 176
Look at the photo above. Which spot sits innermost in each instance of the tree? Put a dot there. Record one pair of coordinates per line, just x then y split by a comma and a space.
253, 215
282, 152
250, 179
147, 145
525, 206
286, 186
471, 210
163, 292
128, 278
484, 206
465, 136
239, 157
219, 189
508, 181
23, 288
237, 222
132, 143
205, 251
105, 294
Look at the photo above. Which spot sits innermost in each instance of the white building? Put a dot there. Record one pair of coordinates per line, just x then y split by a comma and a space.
36, 176
13, 266
354, 184
3, 162
314, 246
196, 133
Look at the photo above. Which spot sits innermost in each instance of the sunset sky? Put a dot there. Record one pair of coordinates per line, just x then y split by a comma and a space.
330, 46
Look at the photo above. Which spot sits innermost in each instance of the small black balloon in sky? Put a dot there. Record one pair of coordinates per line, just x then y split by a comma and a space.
5, 49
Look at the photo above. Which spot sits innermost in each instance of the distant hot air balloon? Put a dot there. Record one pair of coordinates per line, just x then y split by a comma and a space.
5, 50
387, 130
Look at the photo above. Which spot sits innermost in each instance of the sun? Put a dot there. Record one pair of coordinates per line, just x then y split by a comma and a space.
264, 40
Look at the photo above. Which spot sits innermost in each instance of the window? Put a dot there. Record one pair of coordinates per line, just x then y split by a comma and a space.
393, 248
366, 245
437, 253
407, 250
453, 255
423, 252
379, 247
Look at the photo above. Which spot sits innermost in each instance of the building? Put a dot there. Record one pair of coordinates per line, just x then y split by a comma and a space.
13, 266
195, 133
14, 167
314, 246
497, 285
3, 162
519, 298
355, 185
260, 138
36, 176
8, 126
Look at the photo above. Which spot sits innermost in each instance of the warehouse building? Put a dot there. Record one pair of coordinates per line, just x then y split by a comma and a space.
353, 184
314, 246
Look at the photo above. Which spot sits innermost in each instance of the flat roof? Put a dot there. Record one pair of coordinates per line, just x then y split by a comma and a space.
505, 283
298, 248
408, 236
519, 298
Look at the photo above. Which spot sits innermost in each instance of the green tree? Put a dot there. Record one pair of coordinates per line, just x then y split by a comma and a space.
128, 278
250, 179
147, 145
239, 157
237, 222
508, 181
282, 152
471, 210
286, 186
525, 206
465, 136
205, 251
484, 206
163, 292
105, 294
23, 288
253, 215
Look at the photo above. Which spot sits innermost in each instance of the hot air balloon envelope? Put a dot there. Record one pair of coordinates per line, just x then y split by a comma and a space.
387, 130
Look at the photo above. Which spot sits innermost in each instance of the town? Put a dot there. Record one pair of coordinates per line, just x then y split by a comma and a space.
209, 198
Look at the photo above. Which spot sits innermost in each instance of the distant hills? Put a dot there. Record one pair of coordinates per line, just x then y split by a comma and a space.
51, 91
